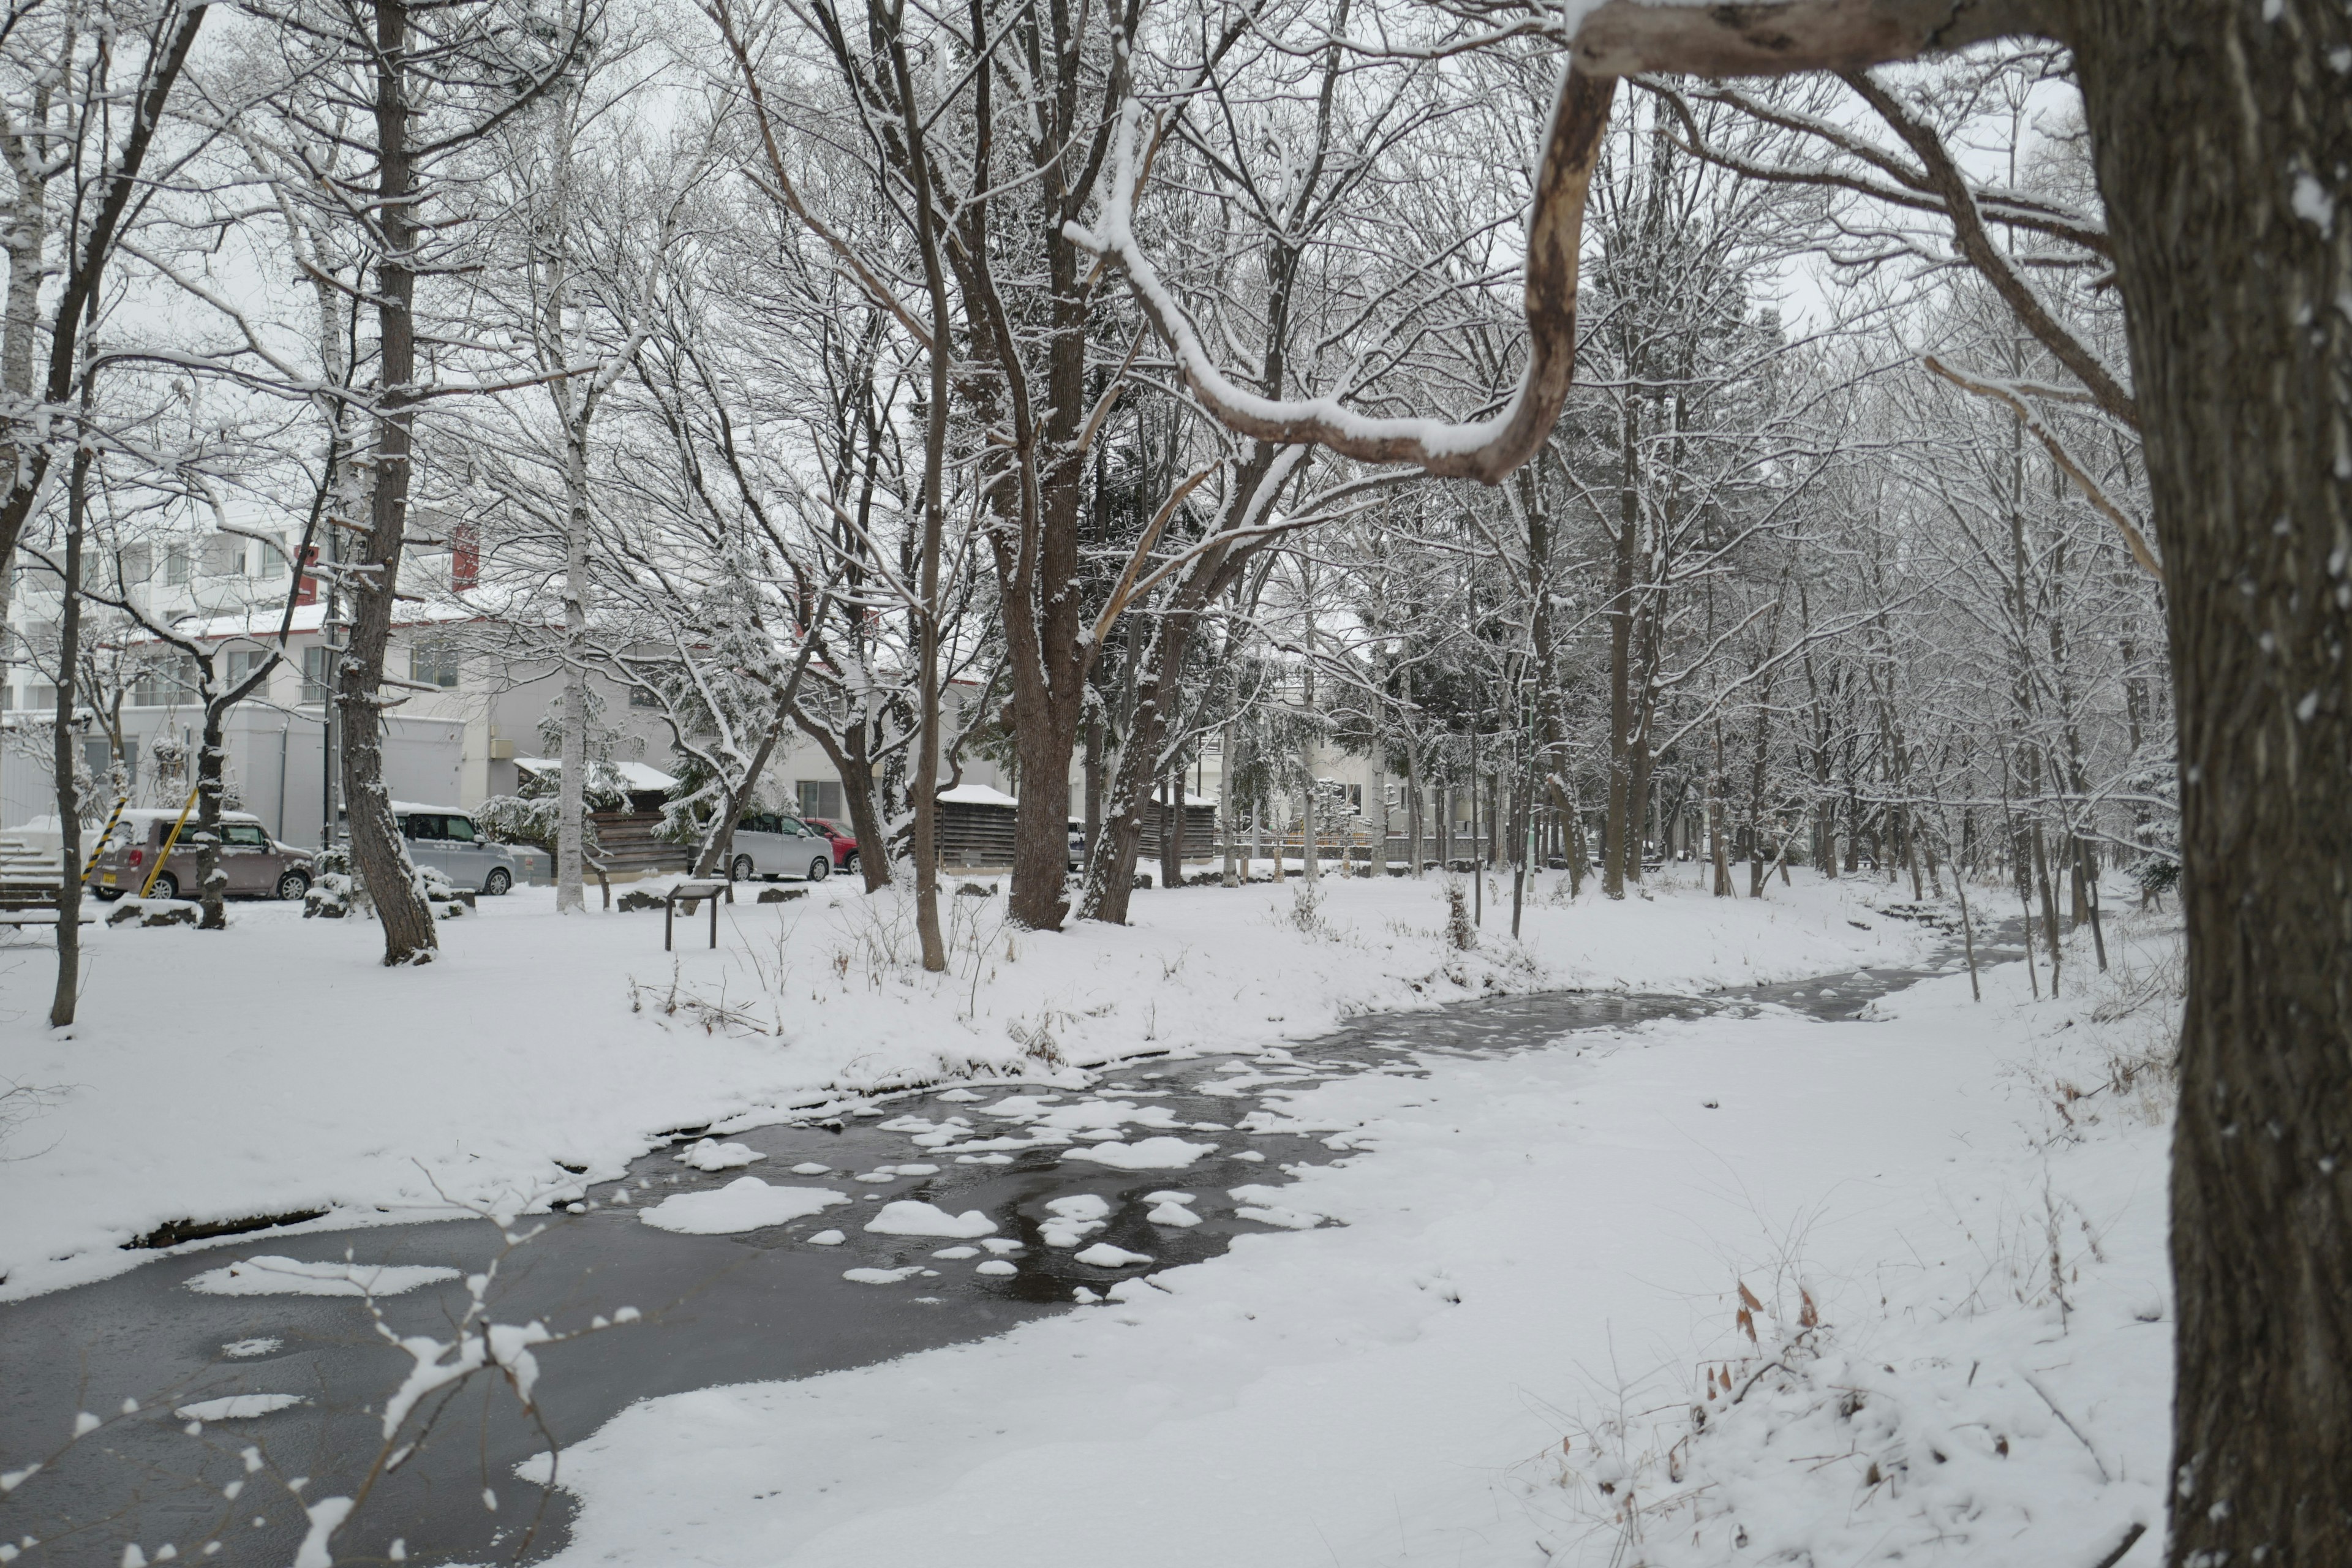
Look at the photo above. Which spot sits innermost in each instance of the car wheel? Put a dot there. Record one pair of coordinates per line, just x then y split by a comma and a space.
166, 886
497, 883
741, 870
849, 863
294, 884
820, 868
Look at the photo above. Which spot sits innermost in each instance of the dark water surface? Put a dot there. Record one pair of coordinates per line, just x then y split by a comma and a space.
757, 1306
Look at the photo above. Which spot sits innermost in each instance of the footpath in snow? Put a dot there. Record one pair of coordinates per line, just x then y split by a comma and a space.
277, 1068
1708, 1291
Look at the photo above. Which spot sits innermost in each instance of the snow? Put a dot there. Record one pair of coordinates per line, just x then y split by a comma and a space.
1103, 1255
1539, 1274
708, 1154
273, 1276
537, 1044
239, 1406
997, 1266
745, 1204
827, 1238
882, 1276
1149, 1154
908, 1216
976, 794
634, 777
238, 1349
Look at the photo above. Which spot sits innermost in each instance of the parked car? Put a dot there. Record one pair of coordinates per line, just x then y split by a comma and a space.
1077, 845
446, 839
768, 844
844, 842
257, 865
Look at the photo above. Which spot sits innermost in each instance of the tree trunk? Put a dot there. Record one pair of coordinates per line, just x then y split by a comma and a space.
69, 987
1172, 825
2220, 132
409, 936
212, 882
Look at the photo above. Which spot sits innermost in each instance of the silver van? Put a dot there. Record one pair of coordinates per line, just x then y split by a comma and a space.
768, 844
446, 839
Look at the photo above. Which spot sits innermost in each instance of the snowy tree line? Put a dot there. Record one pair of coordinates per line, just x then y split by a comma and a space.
781, 367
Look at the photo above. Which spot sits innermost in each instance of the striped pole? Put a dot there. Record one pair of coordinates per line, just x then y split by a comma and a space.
165, 853
92, 863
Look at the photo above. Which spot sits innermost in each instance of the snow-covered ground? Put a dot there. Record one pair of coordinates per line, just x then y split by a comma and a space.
277, 1068
1527, 1341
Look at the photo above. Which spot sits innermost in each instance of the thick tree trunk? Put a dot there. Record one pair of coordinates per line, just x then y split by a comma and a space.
2221, 134
409, 936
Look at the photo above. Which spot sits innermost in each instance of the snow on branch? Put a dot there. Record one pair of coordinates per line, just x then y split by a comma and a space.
1485, 449
2008, 396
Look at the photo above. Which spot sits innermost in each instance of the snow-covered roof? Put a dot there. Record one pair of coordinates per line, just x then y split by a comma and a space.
633, 775
975, 795
262, 622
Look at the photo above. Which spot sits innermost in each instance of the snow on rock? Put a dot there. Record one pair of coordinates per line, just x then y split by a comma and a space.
908, 1216
272, 1275
1071, 1219
1145, 1155
827, 1238
995, 1265
1173, 1214
745, 1204
243, 1348
239, 1406
882, 1276
811, 1168
710, 1155
1103, 1255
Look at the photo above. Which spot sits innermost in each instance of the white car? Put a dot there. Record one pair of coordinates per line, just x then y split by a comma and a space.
767, 843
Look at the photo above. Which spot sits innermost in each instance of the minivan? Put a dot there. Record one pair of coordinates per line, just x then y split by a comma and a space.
447, 839
768, 844
257, 865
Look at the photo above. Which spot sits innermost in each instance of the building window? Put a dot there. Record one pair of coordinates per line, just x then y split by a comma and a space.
434, 663
243, 661
176, 565
819, 797
315, 669
273, 559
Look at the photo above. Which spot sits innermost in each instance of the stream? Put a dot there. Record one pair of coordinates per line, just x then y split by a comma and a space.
758, 1305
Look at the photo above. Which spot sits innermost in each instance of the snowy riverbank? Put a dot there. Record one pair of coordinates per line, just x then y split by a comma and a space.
278, 1069
1524, 1344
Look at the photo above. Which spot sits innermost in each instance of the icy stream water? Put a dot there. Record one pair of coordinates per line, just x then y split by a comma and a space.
718, 1309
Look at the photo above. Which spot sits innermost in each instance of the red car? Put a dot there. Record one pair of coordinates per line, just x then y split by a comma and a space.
844, 842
